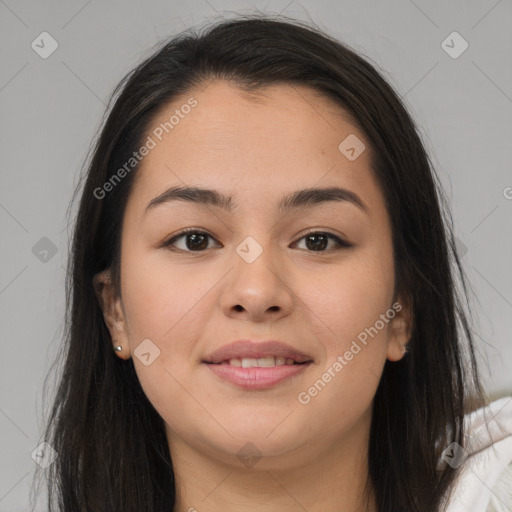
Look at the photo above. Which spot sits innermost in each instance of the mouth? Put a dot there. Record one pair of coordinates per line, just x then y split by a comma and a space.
257, 365
247, 354
261, 362
257, 374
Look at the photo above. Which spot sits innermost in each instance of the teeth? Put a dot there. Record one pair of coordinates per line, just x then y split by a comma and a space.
266, 361
249, 363
262, 362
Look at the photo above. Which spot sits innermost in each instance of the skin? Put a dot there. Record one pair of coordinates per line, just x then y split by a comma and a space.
258, 148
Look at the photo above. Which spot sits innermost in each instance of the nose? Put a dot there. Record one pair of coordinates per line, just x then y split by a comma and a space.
257, 289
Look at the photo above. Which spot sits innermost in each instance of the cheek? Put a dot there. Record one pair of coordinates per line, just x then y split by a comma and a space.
346, 300
356, 318
161, 298
169, 306
354, 336
335, 401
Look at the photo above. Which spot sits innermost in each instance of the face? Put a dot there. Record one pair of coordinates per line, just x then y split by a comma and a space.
317, 277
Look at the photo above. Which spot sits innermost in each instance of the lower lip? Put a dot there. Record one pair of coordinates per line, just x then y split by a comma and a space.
257, 377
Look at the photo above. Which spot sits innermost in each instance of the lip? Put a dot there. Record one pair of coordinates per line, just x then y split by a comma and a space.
249, 349
256, 377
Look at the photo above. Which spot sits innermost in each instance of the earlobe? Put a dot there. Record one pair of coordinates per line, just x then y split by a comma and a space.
112, 311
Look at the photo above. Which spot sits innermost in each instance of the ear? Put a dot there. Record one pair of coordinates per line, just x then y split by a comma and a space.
113, 312
400, 328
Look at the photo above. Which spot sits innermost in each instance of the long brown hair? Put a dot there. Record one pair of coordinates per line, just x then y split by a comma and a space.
113, 451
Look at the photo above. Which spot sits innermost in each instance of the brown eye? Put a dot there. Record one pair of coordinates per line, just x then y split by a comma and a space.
195, 241
318, 241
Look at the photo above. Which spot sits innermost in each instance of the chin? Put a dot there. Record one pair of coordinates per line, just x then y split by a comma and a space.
261, 454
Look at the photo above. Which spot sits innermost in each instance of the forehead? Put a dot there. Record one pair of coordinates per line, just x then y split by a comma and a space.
279, 114
282, 137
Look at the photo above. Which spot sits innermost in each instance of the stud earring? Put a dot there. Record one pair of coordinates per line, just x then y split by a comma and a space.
404, 349
118, 348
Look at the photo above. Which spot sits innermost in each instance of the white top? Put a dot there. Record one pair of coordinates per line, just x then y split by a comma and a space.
485, 484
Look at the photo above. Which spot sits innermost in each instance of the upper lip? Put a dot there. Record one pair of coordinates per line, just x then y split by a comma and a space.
249, 349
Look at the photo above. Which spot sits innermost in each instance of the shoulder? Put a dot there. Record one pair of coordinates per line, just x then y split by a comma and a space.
485, 481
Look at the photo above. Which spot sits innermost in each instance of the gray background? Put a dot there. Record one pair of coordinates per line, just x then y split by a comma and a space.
51, 109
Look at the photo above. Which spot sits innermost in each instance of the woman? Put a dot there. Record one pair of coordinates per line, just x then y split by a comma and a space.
263, 312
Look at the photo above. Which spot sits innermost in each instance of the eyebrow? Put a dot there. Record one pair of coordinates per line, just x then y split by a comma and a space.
299, 199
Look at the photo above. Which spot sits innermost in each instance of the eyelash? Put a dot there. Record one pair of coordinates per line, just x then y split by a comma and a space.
168, 243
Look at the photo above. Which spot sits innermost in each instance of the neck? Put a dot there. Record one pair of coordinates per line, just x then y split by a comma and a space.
332, 481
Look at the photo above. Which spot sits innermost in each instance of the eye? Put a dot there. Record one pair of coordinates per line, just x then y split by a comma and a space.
195, 240
318, 240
